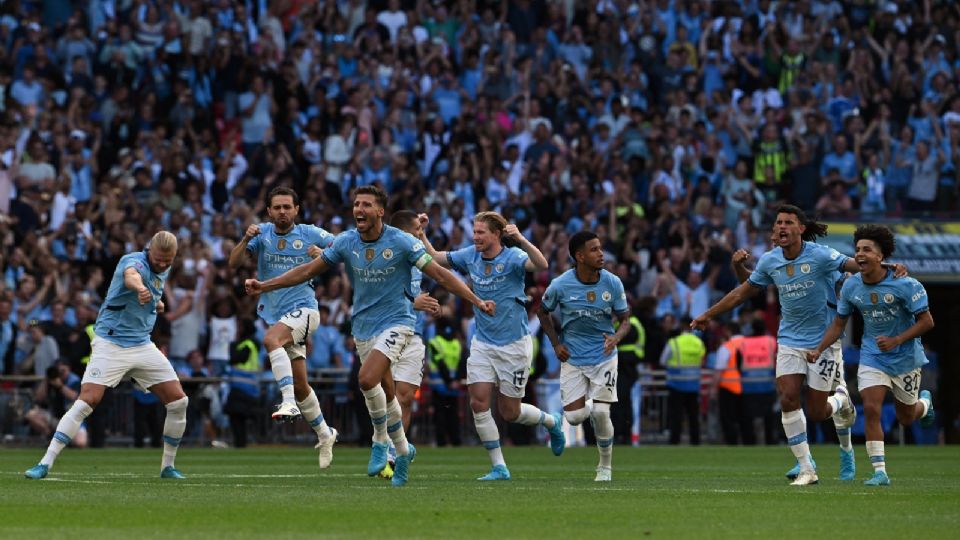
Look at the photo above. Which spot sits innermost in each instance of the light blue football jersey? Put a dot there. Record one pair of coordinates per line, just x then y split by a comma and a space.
500, 279
586, 313
277, 253
805, 285
888, 309
122, 320
381, 274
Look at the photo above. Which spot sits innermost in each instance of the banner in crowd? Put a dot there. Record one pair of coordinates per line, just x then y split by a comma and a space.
931, 250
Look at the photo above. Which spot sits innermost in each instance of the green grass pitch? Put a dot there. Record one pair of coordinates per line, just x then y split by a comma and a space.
705, 492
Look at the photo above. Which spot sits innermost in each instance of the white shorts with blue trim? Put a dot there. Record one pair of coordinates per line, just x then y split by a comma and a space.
111, 363
302, 323
825, 375
905, 387
507, 366
597, 382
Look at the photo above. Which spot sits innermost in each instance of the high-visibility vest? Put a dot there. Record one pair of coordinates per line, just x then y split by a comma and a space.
730, 376
89, 329
683, 367
244, 377
637, 347
770, 154
447, 351
757, 365
790, 66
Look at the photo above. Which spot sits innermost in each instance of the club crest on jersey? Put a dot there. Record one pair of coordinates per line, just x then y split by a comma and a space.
606, 296
888, 298
297, 244
499, 268
388, 254
591, 296
157, 284
874, 298
805, 268
790, 270
487, 269
282, 243
368, 254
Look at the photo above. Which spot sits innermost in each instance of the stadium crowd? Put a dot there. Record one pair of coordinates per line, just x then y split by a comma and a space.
672, 128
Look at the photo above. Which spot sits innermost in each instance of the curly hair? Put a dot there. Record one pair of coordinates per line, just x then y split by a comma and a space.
880, 234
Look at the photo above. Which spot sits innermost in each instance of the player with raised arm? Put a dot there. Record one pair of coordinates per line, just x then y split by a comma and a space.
803, 272
407, 371
589, 298
501, 352
848, 464
291, 313
379, 259
895, 315
121, 347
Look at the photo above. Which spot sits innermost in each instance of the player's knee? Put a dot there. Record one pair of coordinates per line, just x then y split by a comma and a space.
405, 398
871, 411
600, 412
508, 411
178, 406
478, 405
272, 341
367, 381
577, 417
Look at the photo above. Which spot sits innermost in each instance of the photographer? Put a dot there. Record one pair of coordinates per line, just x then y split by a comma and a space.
52, 398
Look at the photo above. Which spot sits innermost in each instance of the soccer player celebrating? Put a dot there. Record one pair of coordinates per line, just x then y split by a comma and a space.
804, 273
407, 371
502, 350
895, 315
121, 347
589, 299
291, 313
379, 259
848, 465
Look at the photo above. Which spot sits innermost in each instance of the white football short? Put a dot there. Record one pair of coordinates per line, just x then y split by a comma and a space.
906, 387
824, 375
507, 366
391, 342
409, 367
111, 363
302, 323
597, 382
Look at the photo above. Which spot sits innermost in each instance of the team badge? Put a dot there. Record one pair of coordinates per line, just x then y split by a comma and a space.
790, 270
95, 373
282, 243
888, 298
388, 254
487, 269
499, 268
368, 254
157, 284
874, 298
805, 268
606, 296
297, 244
591, 296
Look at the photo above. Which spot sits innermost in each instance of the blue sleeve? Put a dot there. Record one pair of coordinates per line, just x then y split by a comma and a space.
760, 277
551, 297
320, 238
830, 261
519, 261
417, 254
460, 259
915, 295
619, 296
334, 254
141, 267
844, 305
253, 245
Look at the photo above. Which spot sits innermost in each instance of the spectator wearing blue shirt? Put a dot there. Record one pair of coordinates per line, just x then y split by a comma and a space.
842, 159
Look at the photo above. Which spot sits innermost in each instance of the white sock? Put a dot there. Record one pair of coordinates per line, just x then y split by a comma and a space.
173, 427
67, 429
532, 416
835, 402
395, 427
795, 427
377, 406
844, 435
603, 429
310, 409
489, 436
577, 417
926, 407
877, 459
283, 373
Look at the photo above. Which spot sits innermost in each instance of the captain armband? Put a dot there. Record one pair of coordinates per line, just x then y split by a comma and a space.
424, 260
